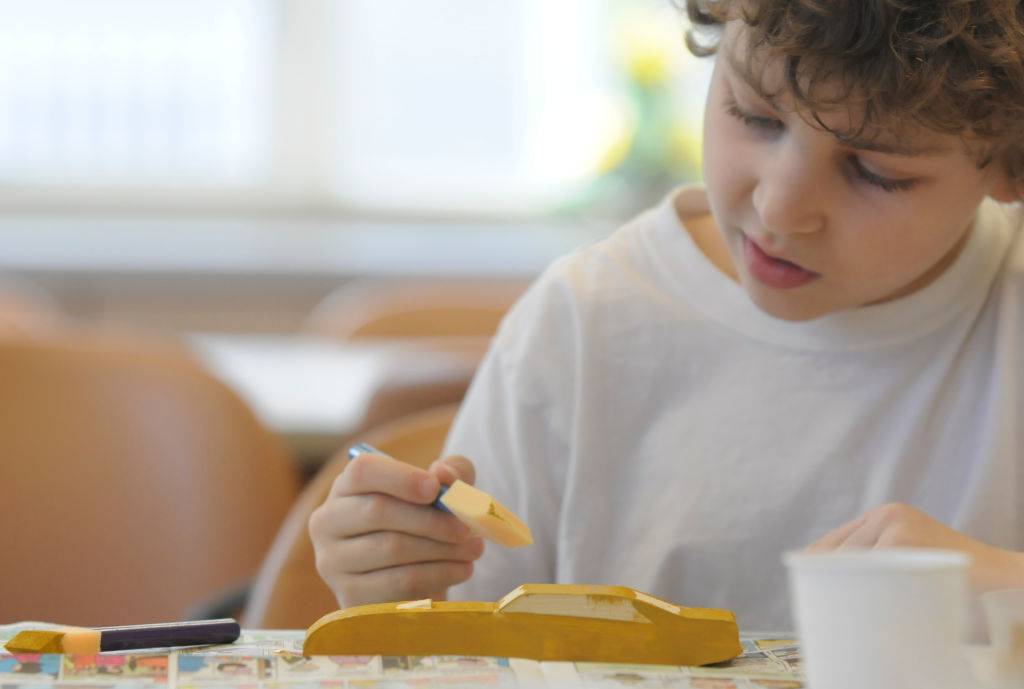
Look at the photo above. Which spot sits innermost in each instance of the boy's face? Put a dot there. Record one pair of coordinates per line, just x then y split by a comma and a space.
813, 225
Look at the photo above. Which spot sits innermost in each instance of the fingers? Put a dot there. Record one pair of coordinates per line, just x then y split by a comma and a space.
886, 526
837, 537
869, 535
387, 549
377, 538
384, 564
448, 469
408, 582
379, 474
349, 516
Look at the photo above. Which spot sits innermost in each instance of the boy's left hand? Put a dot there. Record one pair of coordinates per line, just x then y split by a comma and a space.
898, 525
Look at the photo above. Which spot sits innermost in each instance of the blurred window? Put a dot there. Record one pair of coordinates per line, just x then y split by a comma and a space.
494, 106
102, 93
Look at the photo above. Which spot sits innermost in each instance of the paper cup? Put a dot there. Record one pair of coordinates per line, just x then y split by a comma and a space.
1004, 612
885, 619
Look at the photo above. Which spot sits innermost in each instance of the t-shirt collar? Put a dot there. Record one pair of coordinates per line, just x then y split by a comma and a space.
962, 287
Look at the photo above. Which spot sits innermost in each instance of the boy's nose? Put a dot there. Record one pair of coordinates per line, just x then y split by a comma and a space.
788, 198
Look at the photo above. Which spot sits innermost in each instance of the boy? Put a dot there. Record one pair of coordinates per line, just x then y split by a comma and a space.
825, 340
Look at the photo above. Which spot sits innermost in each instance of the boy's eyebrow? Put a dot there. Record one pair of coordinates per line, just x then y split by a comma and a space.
899, 149
742, 70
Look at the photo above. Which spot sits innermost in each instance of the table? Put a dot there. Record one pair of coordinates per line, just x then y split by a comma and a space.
315, 393
267, 657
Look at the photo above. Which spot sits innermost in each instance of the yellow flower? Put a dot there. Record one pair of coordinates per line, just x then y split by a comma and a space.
648, 45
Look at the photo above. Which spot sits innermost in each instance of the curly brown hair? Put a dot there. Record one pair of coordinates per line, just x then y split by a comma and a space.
951, 66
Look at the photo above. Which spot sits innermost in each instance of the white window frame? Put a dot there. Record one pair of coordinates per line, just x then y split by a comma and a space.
303, 176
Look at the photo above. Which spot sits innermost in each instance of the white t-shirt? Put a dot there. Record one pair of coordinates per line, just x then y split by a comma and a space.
657, 430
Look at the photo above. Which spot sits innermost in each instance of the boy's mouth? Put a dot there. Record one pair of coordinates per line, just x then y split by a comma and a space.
774, 272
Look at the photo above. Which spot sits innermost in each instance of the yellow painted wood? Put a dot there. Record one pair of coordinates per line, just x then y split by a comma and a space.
539, 621
36, 641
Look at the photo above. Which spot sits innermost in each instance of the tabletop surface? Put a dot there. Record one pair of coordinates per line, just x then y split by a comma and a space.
315, 392
273, 659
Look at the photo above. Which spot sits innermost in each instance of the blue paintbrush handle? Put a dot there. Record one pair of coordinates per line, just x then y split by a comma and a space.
364, 449
194, 633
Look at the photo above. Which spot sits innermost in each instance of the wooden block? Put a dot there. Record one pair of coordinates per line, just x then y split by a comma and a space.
486, 516
565, 622
37, 641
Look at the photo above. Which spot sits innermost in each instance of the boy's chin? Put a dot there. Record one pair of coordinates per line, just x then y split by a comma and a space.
787, 306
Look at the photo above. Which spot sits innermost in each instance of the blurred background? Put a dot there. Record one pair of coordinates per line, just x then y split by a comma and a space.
223, 164
325, 205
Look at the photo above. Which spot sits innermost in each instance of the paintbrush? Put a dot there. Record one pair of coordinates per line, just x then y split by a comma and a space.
478, 510
81, 640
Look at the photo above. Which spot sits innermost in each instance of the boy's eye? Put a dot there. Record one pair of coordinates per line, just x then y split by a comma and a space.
883, 183
771, 126
763, 124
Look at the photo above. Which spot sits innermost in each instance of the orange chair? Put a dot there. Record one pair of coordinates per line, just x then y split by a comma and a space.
134, 485
452, 312
288, 592
26, 310
456, 316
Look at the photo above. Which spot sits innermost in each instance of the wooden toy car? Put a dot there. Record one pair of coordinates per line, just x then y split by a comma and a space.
537, 621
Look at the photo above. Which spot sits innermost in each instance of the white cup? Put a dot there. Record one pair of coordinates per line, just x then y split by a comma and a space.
1004, 612
884, 619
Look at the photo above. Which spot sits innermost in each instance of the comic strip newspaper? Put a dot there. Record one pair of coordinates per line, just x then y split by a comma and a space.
274, 660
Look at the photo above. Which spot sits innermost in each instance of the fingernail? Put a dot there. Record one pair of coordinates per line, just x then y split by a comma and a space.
447, 474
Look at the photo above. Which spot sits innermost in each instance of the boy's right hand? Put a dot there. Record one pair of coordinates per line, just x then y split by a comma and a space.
377, 538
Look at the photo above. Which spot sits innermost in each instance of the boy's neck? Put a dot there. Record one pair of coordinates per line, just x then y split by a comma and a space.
933, 273
705, 235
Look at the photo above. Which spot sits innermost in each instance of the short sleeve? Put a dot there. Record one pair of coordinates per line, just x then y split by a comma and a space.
513, 425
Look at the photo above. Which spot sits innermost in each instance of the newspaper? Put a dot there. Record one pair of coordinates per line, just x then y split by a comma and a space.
274, 660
